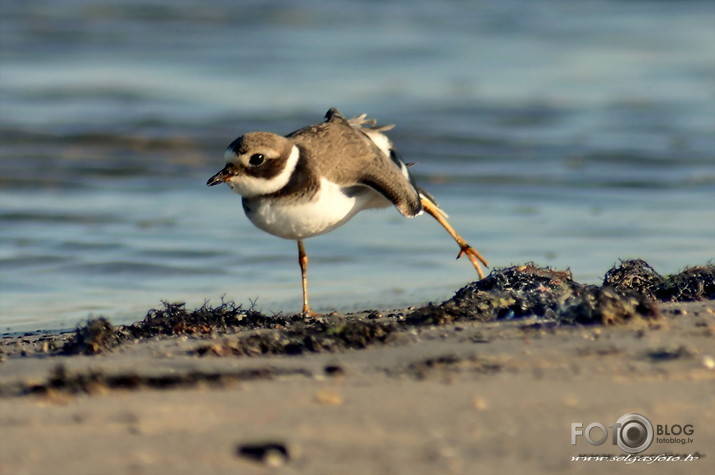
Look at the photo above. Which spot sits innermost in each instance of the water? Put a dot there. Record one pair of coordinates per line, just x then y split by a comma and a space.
568, 133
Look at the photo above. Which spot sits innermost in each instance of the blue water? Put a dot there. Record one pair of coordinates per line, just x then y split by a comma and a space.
572, 134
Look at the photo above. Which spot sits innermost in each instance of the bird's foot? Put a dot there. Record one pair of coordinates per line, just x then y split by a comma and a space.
474, 256
308, 313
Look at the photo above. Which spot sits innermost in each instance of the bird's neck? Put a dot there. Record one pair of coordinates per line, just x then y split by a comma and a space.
303, 181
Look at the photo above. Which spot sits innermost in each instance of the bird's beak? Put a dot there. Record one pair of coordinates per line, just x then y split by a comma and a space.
220, 177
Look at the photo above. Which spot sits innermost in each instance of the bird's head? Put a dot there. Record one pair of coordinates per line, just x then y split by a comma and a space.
257, 163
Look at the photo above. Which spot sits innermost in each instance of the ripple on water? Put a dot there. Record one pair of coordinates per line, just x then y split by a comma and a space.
138, 269
40, 216
32, 261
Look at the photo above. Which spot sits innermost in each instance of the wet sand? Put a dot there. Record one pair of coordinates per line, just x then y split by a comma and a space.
461, 396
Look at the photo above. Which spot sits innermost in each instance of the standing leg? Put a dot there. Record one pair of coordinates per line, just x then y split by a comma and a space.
464, 248
303, 261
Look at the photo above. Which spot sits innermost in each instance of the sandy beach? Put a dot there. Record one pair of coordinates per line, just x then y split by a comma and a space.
462, 396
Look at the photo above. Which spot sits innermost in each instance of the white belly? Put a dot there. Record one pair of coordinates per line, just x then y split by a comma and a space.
329, 209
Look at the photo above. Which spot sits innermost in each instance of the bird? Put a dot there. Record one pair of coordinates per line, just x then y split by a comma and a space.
317, 178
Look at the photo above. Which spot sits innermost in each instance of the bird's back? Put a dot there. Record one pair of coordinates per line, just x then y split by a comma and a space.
356, 152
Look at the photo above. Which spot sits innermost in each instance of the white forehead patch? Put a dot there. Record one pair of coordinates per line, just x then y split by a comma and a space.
250, 187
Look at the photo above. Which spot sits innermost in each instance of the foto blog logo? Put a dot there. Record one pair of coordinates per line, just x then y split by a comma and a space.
632, 433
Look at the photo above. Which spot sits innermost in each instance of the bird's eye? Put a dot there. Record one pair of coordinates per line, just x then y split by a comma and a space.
256, 160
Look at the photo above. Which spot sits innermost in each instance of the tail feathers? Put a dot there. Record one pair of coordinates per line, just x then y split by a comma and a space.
367, 127
362, 121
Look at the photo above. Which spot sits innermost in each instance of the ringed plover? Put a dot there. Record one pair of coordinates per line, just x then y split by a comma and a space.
317, 178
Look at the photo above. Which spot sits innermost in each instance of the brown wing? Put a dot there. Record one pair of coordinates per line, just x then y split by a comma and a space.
347, 156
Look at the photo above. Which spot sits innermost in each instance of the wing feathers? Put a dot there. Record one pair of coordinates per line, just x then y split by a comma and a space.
356, 152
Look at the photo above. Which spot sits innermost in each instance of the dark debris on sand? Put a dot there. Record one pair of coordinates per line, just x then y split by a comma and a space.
322, 335
636, 276
630, 291
172, 319
62, 380
258, 333
694, 283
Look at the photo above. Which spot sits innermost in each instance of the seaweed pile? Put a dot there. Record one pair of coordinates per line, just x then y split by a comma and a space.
172, 319
630, 291
694, 283
259, 334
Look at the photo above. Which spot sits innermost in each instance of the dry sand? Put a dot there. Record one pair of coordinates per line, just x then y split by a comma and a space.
466, 397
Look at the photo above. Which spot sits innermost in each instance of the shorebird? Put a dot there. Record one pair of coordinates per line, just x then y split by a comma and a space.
317, 178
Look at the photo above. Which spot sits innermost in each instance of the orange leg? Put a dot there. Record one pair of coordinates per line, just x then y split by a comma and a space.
464, 248
303, 261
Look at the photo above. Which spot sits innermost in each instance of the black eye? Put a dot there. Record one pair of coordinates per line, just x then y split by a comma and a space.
256, 159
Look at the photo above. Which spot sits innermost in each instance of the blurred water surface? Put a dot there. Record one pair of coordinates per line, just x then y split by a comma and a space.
568, 133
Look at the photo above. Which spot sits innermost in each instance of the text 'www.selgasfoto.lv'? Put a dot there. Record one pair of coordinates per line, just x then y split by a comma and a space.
630, 458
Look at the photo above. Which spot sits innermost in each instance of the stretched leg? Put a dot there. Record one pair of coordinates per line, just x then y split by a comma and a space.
464, 248
303, 261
